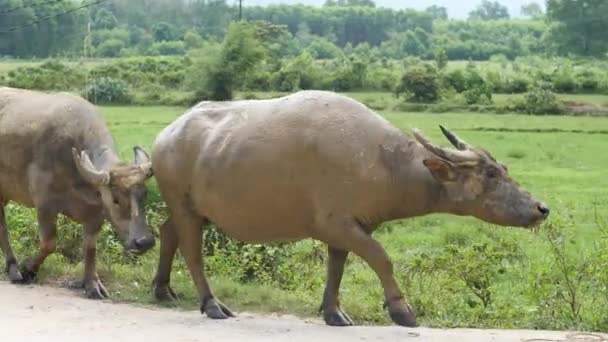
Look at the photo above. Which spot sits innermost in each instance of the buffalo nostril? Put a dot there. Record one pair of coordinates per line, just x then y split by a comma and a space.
544, 210
145, 243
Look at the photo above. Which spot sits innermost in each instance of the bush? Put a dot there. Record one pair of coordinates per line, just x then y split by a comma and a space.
169, 48
420, 83
50, 75
456, 79
477, 266
300, 73
110, 48
517, 85
108, 90
588, 81
217, 72
563, 82
540, 101
478, 95
350, 75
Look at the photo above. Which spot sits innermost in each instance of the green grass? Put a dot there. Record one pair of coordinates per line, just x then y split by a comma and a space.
564, 168
596, 99
8, 65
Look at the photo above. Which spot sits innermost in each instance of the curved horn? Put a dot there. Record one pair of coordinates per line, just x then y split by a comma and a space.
456, 141
455, 156
142, 159
88, 171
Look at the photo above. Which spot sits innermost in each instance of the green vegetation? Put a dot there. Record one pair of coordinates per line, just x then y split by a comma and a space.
245, 63
457, 271
172, 27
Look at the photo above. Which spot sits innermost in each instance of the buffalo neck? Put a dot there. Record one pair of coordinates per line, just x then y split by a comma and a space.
413, 190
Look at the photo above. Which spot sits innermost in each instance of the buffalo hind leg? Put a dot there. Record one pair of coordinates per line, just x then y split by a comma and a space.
93, 287
11, 262
348, 235
332, 313
190, 239
47, 222
168, 247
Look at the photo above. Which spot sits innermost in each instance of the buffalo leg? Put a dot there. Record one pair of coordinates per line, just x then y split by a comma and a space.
47, 222
190, 242
168, 247
332, 314
11, 262
350, 236
93, 287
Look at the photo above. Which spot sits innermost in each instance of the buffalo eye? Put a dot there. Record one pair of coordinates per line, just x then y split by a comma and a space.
492, 173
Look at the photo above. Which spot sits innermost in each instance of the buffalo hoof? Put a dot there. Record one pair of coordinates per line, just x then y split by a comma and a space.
28, 276
94, 289
14, 275
403, 316
28, 272
165, 294
337, 318
214, 309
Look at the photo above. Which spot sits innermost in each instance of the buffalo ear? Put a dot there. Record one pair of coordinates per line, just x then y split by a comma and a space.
442, 170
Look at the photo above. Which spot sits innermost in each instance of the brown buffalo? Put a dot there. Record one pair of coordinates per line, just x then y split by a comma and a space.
58, 156
317, 165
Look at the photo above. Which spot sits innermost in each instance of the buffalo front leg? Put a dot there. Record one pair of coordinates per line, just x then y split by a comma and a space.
11, 262
190, 241
168, 247
350, 236
332, 314
93, 287
47, 222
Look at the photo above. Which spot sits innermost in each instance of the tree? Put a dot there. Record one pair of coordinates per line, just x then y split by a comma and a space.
104, 19
438, 12
490, 10
164, 31
220, 71
441, 58
532, 10
192, 40
364, 3
420, 82
50, 35
579, 26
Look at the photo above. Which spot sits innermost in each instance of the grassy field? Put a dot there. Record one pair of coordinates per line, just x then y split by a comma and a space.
562, 160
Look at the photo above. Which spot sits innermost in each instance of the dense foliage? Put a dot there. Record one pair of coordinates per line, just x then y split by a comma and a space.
172, 27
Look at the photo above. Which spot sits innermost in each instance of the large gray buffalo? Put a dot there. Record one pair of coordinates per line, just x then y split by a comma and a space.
58, 156
317, 165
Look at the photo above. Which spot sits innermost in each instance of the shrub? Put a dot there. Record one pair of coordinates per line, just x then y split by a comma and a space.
381, 79
540, 101
517, 85
563, 82
588, 81
218, 71
477, 265
420, 83
478, 95
108, 90
456, 79
110, 48
168, 48
50, 75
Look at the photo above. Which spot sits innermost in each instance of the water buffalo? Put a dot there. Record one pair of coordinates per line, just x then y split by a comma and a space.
58, 157
316, 165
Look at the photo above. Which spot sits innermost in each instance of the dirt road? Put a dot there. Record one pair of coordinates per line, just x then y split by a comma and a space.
33, 313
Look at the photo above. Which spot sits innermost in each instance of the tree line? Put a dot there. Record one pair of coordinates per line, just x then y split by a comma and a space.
172, 27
